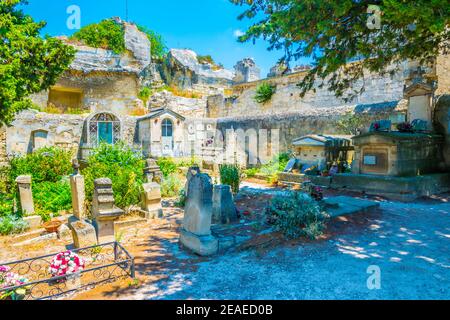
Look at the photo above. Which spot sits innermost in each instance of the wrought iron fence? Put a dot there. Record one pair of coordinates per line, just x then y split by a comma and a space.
103, 263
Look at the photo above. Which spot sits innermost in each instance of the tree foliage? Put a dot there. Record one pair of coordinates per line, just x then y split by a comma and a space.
29, 62
337, 32
158, 45
264, 92
107, 34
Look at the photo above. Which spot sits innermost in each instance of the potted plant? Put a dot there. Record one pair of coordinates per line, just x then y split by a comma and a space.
68, 264
10, 279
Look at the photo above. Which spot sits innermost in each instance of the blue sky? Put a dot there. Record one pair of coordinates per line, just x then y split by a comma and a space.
205, 26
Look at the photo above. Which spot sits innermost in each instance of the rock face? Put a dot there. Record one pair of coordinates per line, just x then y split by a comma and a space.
134, 60
246, 70
278, 70
187, 107
183, 69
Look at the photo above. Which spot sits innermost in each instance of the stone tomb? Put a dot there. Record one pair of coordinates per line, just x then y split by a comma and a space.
196, 231
104, 210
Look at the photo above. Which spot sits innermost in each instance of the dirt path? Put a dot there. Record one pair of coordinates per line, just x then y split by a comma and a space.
408, 242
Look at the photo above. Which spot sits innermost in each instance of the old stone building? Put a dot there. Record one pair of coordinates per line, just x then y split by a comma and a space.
97, 100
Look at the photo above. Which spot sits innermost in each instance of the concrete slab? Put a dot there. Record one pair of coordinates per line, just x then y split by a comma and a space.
343, 205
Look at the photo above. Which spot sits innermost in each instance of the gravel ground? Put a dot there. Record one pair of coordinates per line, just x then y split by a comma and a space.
408, 242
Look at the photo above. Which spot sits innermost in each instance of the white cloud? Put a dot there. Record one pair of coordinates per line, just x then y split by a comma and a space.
238, 33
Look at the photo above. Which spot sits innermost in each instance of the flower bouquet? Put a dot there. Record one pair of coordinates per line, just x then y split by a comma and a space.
67, 264
10, 279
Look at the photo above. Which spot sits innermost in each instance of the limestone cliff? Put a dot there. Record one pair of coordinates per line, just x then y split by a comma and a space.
182, 68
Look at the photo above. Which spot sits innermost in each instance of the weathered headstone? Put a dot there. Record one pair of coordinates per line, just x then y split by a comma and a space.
104, 210
25, 194
196, 231
83, 233
152, 172
78, 193
151, 200
290, 165
224, 210
192, 171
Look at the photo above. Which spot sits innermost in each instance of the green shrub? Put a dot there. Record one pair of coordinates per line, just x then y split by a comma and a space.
230, 175
264, 92
145, 94
6, 205
12, 225
44, 165
158, 46
52, 197
167, 166
107, 34
123, 166
181, 201
250, 173
296, 214
171, 186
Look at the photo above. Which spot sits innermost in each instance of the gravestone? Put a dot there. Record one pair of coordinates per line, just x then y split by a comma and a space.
224, 211
104, 210
291, 165
152, 172
25, 194
78, 193
151, 200
196, 231
83, 234
192, 171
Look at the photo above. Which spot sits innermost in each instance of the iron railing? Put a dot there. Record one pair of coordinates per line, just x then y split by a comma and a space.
104, 263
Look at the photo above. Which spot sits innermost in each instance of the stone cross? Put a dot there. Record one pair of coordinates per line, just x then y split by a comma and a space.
25, 194
196, 231
152, 172
104, 210
224, 211
78, 193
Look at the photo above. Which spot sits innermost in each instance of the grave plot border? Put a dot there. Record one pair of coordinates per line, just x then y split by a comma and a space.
104, 263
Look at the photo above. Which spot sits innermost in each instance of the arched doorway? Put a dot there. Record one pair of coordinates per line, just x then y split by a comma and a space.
104, 127
167, 137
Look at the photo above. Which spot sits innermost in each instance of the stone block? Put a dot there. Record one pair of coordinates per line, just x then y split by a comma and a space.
64, 233
78, 195
105, 231
25, 194
201, 245
151, 200
223, 211
33, 221
83, 233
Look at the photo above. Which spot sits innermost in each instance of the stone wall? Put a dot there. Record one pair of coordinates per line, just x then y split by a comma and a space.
116, 92
287, 97
186, 107
443, 73
65, 131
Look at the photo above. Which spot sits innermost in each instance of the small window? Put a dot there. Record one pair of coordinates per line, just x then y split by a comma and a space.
167, 128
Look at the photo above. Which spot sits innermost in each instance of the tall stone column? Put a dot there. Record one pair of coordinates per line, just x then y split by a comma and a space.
78, 193
25, 194
104, 210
